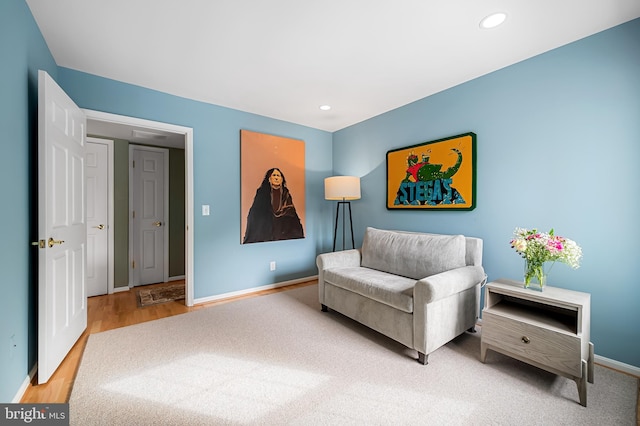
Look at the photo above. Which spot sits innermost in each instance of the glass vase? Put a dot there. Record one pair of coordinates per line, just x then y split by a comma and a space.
535, 276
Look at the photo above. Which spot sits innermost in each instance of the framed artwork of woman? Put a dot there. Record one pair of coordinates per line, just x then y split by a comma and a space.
272, 186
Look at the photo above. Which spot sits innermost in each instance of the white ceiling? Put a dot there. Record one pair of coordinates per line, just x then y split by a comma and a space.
285, 58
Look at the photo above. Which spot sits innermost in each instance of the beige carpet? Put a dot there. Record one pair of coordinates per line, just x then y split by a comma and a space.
278, 359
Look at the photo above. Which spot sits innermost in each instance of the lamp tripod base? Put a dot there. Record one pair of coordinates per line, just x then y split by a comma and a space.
335, 230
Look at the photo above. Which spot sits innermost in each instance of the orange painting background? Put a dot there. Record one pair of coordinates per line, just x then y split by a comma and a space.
440, 154
260, 152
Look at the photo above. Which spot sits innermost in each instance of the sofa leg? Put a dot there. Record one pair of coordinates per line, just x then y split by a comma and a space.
324, 308
422, 358
472, 329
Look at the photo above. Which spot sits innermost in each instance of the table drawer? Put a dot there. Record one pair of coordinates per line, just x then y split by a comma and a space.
554, 349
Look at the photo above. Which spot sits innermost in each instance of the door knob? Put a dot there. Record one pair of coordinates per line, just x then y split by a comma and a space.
157, 223
53, 242
101, 226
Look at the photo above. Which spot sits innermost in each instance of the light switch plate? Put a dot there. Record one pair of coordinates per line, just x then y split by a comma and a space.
205, 210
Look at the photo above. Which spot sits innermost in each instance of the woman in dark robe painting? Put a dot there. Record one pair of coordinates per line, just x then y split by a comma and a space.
272, 215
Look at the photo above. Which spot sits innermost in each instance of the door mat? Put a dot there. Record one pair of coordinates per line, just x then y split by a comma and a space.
154, 296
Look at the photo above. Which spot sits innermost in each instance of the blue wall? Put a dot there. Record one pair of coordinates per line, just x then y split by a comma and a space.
22, 52
219, 258
558, 147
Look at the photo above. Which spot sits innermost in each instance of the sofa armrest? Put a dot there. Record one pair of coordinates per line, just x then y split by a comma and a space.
446, 283
334, 260
338, 259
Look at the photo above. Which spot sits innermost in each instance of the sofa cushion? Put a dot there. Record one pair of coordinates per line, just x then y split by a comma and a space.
412, 255
392, 290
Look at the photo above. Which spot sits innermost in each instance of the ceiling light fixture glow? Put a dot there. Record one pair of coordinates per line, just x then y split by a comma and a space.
325, 107
493, 20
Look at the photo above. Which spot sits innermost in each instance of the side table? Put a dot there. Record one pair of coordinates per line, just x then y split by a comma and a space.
548, 329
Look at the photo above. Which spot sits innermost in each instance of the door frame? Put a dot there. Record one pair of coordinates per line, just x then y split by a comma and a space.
187, 132
110, 211
133, 282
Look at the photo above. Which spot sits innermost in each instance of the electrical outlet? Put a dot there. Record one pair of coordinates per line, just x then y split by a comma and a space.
272, 265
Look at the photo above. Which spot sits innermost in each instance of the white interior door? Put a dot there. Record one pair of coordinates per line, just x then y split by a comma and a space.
149, 216
98, 169
187, 132
62, 301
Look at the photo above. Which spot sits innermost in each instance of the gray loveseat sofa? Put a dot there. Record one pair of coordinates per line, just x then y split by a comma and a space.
419, 289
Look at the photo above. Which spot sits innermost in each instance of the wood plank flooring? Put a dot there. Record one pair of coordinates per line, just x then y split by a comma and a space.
109, 312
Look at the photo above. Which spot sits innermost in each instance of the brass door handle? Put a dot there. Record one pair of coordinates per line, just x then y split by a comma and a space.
101, 226
525, 339
157, 223
53, 242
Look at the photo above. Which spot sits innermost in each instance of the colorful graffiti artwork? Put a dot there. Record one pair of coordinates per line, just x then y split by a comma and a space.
433, 175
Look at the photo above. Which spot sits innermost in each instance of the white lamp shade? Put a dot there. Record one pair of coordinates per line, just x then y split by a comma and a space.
342, 188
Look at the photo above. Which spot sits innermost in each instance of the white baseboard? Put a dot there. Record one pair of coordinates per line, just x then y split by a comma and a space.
617, 365
252, 290
119, 289
21, 391
177, 278
25, 384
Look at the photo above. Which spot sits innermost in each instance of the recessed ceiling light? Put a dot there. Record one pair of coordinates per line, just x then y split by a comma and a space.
325, 107
493, 20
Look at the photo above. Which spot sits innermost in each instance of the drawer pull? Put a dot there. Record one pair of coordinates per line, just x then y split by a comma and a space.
525, 339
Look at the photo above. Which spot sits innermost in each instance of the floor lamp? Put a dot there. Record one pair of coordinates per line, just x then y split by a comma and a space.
343, 189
